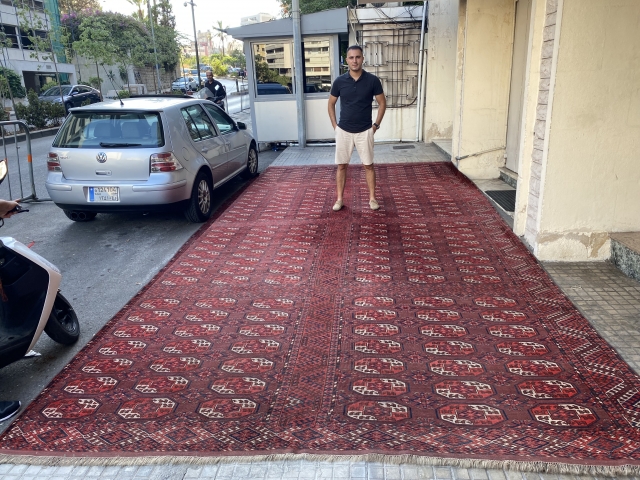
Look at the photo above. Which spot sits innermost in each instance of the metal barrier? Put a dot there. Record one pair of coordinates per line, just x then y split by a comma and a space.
25, 127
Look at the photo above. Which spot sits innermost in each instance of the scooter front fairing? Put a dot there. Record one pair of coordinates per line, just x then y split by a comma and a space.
29, 285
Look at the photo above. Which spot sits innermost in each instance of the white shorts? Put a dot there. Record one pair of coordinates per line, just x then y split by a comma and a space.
345, 142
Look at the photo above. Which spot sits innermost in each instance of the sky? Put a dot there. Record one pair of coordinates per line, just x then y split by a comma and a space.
207, 12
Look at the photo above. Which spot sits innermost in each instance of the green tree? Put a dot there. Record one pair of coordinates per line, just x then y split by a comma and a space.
13, 79
74, 6
312, 6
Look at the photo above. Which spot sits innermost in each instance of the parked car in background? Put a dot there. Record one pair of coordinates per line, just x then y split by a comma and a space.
146, 153
183, 84
272, 89
72, 95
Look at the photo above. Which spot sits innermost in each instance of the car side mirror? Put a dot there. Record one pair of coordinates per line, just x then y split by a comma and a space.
241, 125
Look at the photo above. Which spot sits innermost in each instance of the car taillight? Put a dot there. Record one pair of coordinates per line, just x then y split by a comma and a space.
164, 162
53, 163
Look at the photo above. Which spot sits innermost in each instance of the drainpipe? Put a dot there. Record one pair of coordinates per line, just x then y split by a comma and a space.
299, 73
420, 75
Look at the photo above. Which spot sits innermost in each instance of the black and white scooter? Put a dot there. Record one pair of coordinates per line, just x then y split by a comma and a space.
30, 303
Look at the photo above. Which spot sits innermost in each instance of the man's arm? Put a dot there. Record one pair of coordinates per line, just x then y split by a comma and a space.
382, 107
332, 110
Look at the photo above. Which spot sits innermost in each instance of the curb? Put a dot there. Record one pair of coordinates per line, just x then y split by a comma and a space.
48, 132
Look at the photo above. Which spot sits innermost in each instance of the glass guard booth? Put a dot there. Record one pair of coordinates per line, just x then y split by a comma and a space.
272, 77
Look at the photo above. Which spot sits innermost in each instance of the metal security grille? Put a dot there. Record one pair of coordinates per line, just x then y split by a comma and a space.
391, 52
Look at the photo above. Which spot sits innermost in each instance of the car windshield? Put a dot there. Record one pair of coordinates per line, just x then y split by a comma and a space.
110, 130
55, 91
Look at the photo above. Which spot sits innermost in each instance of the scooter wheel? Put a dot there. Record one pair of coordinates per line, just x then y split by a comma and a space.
63, 326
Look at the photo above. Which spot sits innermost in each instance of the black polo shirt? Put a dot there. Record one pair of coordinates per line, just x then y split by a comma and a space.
356, 100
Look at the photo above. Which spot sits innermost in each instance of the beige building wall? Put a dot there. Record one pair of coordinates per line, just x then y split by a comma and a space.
590, 179
440, 69
483, 73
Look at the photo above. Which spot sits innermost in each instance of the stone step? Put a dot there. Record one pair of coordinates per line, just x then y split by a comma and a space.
509, 177
625, 253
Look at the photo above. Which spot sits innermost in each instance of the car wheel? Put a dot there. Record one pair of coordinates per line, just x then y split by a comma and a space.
200, 206
79, 215
252, 164
63, 326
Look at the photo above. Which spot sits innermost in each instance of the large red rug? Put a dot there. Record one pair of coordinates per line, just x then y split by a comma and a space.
424, 330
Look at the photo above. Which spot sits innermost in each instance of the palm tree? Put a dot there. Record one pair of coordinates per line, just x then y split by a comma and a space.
221, 34
139, 4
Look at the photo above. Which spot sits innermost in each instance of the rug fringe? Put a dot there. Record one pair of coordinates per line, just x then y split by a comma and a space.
537, 467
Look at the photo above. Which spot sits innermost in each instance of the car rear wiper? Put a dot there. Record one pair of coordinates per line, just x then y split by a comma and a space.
106, 144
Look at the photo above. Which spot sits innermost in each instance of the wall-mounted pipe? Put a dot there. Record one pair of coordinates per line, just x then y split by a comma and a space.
420, 61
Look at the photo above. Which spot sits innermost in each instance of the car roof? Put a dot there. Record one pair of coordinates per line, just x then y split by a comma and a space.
140, 103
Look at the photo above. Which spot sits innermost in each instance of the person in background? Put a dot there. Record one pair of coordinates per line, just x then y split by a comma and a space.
216, 89
357, 88
8, 408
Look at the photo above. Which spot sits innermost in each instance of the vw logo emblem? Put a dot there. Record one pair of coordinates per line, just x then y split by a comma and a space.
101, 157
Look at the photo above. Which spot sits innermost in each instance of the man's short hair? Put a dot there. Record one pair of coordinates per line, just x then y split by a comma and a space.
355, 47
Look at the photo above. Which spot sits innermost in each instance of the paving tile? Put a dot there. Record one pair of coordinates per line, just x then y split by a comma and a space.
442, 473
4, 468
18, 469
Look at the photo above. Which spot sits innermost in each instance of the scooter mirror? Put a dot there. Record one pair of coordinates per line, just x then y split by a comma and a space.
3, 169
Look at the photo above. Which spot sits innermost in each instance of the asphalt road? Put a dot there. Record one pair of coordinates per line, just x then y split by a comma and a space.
104, 262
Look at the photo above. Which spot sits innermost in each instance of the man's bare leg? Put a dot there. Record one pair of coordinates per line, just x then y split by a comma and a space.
370, 175
341, 180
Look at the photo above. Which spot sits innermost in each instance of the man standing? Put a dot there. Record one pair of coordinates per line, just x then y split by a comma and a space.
216, 89
356, 89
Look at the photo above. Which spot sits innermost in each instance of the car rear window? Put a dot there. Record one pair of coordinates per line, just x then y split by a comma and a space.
111, 130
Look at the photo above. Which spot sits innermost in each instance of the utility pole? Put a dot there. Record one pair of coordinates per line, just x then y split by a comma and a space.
195, 37
299, 73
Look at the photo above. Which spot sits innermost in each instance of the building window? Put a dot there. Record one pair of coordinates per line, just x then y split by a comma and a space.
43, 45
273, 67
317, 63
8, 36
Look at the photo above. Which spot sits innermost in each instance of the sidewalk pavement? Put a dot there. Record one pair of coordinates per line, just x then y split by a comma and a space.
605, 296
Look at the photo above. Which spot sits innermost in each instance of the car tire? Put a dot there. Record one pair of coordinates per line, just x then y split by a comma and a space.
252, 164
200, 204
80, 215
63, 326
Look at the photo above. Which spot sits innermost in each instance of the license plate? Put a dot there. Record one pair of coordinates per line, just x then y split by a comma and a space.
104, 194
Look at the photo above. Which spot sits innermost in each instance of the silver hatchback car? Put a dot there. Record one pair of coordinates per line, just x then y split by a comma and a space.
147, 153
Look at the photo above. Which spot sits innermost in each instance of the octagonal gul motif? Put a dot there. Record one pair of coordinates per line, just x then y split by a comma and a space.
170, 384
474, 259
436, 302
383, 347
286, 269
438, 315
476, 269
524, 349
236, 270
534, 368
512, 331
122, 347
149, 316
547, 389
111, 365
381, 387
282, 279
382, 366
132, 331
500, 302
214, 303
422, 260
368, 268
426, 278
201, 330
255, 346
376, 330
443, 331
374, 302
372, 278
423, 269
210, 316
503, 316
159, 303
269, 303
71, 409
261, 330
272, 316
90, 385
378, 411
472, 415
225, 409
480, 279
175, 365
187, 346
146, 408
448, 347
238, 386
456, 368
370, 314
564, 415
247, 365
464, 389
